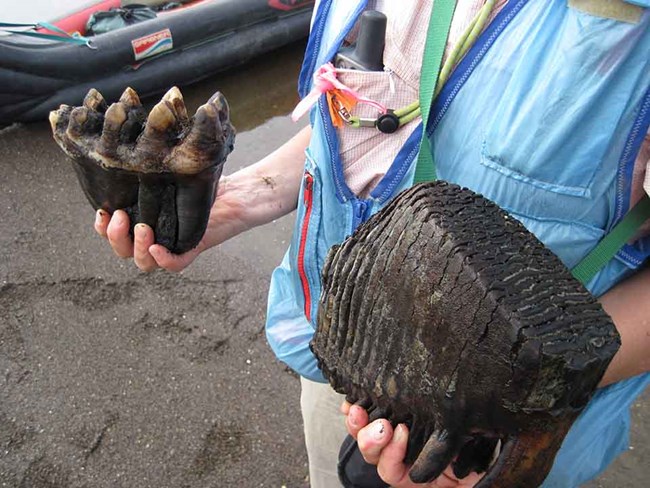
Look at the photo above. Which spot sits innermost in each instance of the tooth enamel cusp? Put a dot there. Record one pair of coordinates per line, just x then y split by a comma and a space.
154, 166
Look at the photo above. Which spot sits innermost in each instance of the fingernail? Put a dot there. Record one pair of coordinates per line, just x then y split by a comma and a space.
352, 419
400, 433
378, 431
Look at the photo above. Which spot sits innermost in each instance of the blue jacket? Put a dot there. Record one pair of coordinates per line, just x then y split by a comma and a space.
545, 116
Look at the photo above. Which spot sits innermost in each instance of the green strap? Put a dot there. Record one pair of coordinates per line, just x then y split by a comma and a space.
64, 37
439, 23
599, 256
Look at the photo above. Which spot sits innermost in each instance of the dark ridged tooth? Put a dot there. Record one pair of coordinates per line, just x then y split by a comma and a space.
373, 350
364, 403
95, 101
379, 413
338, 316
351, 398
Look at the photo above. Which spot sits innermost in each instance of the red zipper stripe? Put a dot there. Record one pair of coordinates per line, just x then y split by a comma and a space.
308, 200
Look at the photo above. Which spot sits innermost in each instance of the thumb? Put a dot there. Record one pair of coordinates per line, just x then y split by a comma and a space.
373, 438
170, 261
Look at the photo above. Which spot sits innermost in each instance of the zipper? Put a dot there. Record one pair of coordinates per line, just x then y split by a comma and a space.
308, 202
359, 213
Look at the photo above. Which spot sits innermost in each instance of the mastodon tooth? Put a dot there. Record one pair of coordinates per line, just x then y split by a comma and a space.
94, 101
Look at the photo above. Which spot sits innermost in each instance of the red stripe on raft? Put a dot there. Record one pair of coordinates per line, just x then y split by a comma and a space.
76, 22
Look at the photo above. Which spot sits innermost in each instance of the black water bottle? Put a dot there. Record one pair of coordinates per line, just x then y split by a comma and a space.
367, 54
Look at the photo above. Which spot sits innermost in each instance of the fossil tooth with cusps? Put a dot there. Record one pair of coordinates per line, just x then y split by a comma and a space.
161, 167
445, 313
95, 101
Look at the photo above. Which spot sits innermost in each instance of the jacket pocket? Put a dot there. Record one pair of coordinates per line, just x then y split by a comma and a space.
554, 124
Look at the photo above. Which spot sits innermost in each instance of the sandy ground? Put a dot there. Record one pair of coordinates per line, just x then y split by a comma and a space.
113, 378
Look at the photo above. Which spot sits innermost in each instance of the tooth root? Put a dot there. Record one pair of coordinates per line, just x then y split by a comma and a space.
194, 197
130, 98
436, 455
94, 101
175, 98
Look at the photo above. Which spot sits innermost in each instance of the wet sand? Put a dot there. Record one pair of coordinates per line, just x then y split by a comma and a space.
114, 378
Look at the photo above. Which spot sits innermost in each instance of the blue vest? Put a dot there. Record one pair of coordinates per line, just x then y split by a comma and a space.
545, 116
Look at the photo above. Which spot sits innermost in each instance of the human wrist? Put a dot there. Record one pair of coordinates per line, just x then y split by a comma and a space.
255, 196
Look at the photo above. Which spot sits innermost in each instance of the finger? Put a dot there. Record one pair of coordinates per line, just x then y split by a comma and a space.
143, 240
373, 438
173, 262
391, 467
345, 407
102, 218
448, 480
118, 234
356, 420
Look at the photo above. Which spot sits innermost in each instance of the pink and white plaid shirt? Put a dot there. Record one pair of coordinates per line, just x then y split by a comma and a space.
366, 153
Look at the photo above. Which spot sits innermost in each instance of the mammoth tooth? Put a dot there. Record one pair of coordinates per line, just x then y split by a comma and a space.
127, 159
448, 314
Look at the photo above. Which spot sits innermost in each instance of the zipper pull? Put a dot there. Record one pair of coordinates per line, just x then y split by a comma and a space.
391, 81
361, 210
309, 183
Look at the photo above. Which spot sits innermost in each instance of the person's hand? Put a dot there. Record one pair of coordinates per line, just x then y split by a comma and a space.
385, 447
224, 222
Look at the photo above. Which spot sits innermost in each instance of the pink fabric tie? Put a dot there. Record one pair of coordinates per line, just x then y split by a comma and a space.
325, 80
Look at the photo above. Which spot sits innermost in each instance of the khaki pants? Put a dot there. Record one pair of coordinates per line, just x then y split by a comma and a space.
324, 431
